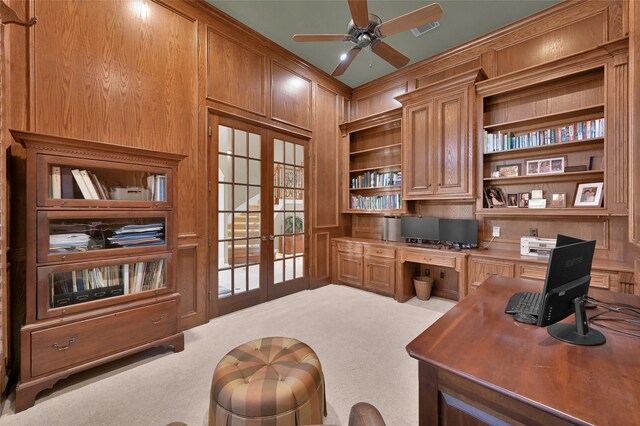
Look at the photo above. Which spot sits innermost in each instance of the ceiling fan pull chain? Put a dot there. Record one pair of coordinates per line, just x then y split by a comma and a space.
370, 57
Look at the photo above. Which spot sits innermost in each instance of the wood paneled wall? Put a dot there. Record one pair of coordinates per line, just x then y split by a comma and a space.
634, 130
4, 294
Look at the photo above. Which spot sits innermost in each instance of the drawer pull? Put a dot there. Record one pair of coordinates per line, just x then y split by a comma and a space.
156, 321
59, 348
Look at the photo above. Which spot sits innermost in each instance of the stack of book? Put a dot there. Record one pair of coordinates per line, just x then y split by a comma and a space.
61, 184
379, 202
157, 184
375, 179
143, 276
62, 243
138, 235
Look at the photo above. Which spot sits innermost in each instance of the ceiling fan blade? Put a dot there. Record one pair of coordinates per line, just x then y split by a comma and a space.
414, 19
344, 64
321, 37
359, 13
389, 54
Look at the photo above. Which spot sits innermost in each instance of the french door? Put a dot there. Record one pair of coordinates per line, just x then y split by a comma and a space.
258, 214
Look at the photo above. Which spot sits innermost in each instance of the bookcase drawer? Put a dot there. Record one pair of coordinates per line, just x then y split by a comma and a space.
429, 259
71, 344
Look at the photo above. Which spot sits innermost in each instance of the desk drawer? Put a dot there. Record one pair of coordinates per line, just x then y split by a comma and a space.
534, 272
355, 248
430, 259
371, 250
601, 279
71, 344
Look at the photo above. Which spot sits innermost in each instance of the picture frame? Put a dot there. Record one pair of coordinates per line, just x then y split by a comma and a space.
523, 200
508, 170
512, 200
559, 200
494, 197
545, 166
537, 193
588, 194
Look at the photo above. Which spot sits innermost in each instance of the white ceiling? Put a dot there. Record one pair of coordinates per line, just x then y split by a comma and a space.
462, 21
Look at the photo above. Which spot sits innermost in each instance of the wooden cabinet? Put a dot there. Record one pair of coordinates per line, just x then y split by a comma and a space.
364, 265
437, 137
551, 128
380, 269
101, 257
373, 172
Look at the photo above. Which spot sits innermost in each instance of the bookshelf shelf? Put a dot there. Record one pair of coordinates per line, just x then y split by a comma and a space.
101, 245
559, 148
551, 177
379, 148
394, 188
547, 119
381, 168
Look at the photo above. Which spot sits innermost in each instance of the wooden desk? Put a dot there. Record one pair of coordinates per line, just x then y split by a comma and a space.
477, 363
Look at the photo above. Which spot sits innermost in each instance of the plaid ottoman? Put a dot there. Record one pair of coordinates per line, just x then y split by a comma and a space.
272, 381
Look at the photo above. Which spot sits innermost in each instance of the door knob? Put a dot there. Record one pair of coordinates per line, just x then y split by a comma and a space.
264, 238
271, 237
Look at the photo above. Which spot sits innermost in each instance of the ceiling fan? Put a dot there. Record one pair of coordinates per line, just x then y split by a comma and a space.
368, 30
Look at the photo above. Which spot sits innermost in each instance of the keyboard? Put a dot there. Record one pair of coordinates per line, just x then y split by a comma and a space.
526, 303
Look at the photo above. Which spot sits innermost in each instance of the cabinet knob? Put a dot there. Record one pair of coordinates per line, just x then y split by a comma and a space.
59, 348
64, 257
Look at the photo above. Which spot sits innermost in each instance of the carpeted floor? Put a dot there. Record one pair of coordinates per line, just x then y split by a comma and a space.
360, 338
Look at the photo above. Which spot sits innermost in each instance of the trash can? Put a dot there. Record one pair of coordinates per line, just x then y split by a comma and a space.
423, 287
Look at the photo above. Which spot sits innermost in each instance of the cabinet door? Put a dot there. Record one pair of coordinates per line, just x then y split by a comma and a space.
452, 165
481, 269
417, 152
350, 268
380, 274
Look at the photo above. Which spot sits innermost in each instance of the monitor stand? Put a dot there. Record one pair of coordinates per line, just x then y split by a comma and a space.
578, 333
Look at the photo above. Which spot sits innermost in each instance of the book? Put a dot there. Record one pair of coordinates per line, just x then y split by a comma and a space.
151, 185
162, 187
66, 183
97, 185
81, 184
578, 168
125, 278
90, 186
56, 183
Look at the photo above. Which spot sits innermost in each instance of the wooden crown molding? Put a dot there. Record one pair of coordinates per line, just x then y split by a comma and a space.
372, 121
473, 76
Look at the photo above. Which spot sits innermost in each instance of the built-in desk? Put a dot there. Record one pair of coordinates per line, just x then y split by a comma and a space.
477, 366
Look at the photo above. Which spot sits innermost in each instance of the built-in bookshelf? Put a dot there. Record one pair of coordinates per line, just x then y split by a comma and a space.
545, 141
101, 257
374, 164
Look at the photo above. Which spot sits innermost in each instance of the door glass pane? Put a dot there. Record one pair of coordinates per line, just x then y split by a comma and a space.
299, 177
240, 172
278, 218
254, 250
224, 226
240, 197
254, 224
239, 252
299, 244
239, 226
224, 140
224, 254
225, 171
299, 223
240, 142
288, 153
288, 269
299, 155
254, 145
225, 197
278, 151
224, 283
254, 277
240, 280
278, 273
299, 267
254, 172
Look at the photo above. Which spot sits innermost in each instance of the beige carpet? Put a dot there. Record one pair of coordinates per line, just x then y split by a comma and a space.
360, 338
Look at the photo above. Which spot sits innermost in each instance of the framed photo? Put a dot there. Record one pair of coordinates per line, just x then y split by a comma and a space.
523, 200
494, 197
545, 166
512, 200
588, 195
508, 170
559, 200
536, 193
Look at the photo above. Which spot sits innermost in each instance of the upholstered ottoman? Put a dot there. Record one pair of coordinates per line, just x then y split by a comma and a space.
272, 381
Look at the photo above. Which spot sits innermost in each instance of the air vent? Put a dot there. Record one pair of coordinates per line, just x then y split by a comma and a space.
424, 28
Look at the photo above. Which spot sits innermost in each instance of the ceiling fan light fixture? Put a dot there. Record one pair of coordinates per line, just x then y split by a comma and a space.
343, 57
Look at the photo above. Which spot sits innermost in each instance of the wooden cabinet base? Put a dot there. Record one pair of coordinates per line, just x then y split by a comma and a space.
26, 392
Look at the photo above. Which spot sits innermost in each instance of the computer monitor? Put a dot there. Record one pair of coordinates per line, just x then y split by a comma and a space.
460, 231
563, 240
424, 228
565, 290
